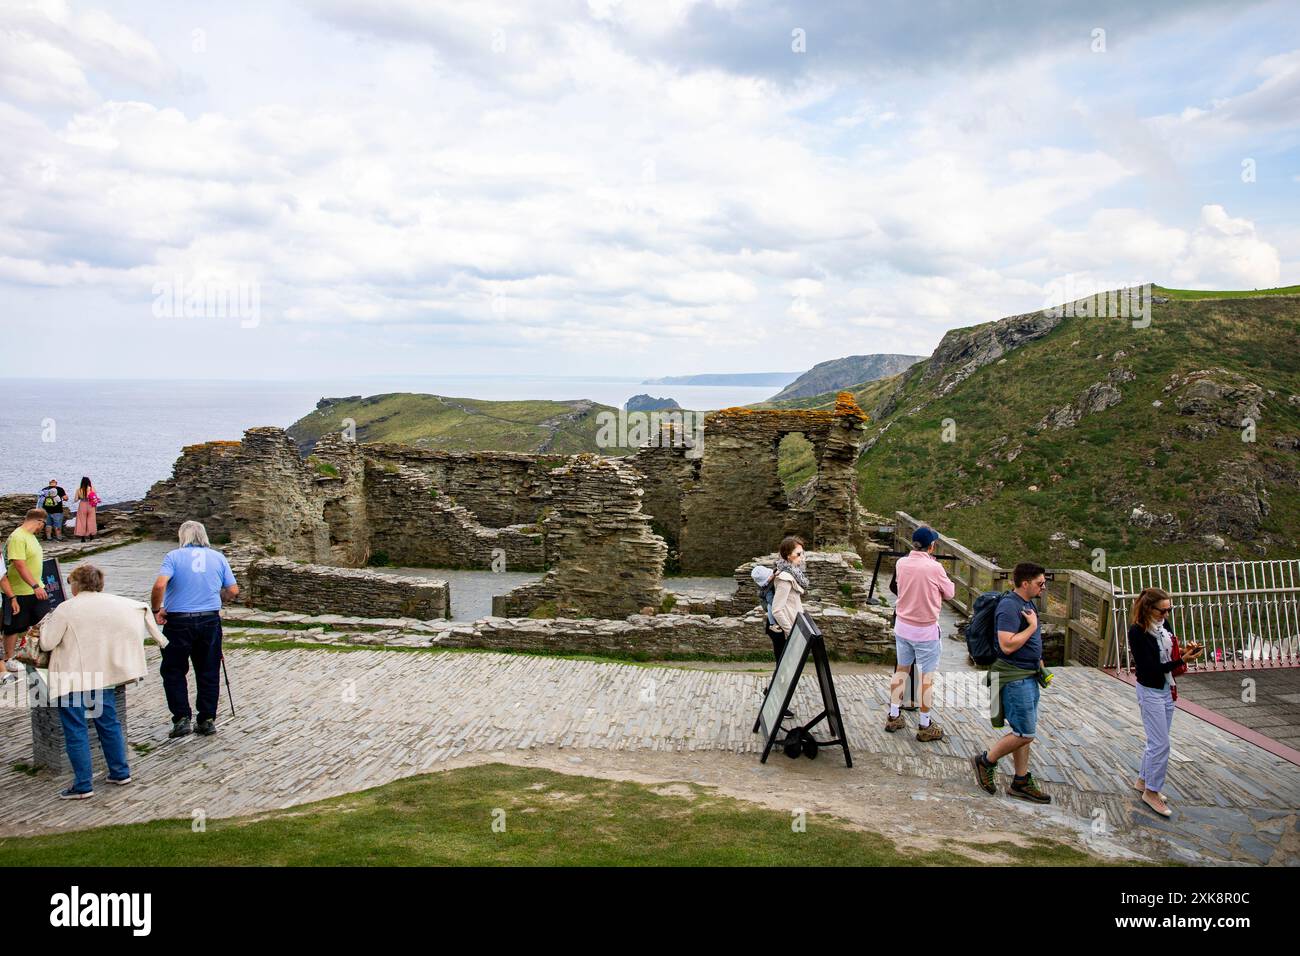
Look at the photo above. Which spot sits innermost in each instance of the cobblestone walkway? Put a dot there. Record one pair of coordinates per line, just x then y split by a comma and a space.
315, 723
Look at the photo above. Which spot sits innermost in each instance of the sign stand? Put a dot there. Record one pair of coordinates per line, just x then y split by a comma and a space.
805, 636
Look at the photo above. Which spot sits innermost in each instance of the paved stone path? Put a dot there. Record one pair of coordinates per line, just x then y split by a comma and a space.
1274, 711
313, 724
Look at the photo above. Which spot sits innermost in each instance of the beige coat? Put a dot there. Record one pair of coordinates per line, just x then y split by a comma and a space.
786, 602
97, 640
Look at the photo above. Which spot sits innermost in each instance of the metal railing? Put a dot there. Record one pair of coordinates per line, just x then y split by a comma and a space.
1245, 613
1076, 602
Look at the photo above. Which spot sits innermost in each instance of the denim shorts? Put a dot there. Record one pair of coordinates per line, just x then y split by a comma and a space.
54, 520
926, 654
1020, 706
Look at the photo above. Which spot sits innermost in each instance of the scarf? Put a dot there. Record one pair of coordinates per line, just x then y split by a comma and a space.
795, 571
1165, 642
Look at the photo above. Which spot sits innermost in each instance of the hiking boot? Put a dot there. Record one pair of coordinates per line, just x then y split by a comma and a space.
181, 727
895, 723
207, 726
927, 734
985, 774
1028, 789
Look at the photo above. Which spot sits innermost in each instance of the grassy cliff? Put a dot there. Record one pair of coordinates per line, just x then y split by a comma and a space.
1045, 438
459, 424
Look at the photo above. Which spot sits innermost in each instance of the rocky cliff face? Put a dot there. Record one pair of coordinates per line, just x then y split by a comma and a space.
843, 372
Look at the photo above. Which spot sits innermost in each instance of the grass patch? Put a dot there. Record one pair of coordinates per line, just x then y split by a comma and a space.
550, 819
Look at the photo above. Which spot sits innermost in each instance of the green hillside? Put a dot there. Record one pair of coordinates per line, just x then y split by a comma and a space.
1128, 450
459, 424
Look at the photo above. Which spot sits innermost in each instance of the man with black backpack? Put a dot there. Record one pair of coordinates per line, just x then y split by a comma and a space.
1014, 681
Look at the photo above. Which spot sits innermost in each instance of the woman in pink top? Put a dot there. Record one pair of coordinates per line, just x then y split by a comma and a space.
922, 586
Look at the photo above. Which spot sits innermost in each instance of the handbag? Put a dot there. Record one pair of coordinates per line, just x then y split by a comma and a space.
1177, 653
28, 649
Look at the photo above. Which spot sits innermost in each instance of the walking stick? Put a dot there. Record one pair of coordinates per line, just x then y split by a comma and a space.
230, 698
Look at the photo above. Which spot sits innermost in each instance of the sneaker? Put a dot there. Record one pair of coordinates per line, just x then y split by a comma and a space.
13, 667
181, 727
121, 782
927, 734
207, 727
895, 723
70, 794
985, 774
7, 678
1029, 790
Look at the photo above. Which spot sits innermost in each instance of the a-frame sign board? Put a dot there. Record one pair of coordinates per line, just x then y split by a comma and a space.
805, 636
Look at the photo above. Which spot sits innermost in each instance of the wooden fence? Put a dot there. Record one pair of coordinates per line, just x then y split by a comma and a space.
1076, 603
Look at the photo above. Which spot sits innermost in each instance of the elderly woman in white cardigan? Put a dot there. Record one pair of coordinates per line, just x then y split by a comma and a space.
96, 641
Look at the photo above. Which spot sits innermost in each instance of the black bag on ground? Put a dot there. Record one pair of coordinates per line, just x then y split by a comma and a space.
981, 632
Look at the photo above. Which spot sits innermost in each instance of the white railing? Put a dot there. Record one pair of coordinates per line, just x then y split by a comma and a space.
1245, 613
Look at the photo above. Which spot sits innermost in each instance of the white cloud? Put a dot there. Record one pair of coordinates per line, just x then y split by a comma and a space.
579, 188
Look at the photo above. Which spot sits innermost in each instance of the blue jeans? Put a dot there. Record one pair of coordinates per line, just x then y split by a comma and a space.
76, 740
1020, 706
1157, 708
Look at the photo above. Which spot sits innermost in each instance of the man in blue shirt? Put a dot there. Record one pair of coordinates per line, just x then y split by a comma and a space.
1014, 678
187, 602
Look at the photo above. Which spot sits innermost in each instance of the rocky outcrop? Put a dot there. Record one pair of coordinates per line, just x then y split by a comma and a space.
279, 585
1095, 398
648, 403
963, 352
1215, 397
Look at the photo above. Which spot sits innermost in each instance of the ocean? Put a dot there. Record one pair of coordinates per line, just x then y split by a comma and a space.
126, 434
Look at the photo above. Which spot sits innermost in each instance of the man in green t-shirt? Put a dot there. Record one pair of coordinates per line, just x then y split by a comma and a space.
25, 557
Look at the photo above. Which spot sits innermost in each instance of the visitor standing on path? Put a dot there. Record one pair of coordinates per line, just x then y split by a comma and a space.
26, 561
923, 586
1014, 679
791, 584
96, 642
87, 502
50, 499
1155, 659
186, 601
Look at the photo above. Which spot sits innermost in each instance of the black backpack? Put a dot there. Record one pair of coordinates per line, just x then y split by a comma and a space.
981, 632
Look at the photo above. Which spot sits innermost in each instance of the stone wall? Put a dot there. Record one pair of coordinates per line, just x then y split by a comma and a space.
279, 585
258, 490
738, 506
414, 524
606, 561
834, 577
668, 467
48, 749
109, 520
499, 488
862, 635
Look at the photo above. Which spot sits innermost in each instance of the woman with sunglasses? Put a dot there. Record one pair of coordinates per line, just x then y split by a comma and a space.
1151, 644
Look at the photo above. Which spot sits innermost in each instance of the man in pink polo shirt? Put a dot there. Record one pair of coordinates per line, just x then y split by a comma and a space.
923, 586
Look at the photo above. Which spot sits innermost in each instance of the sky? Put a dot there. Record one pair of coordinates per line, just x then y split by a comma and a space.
304, 189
